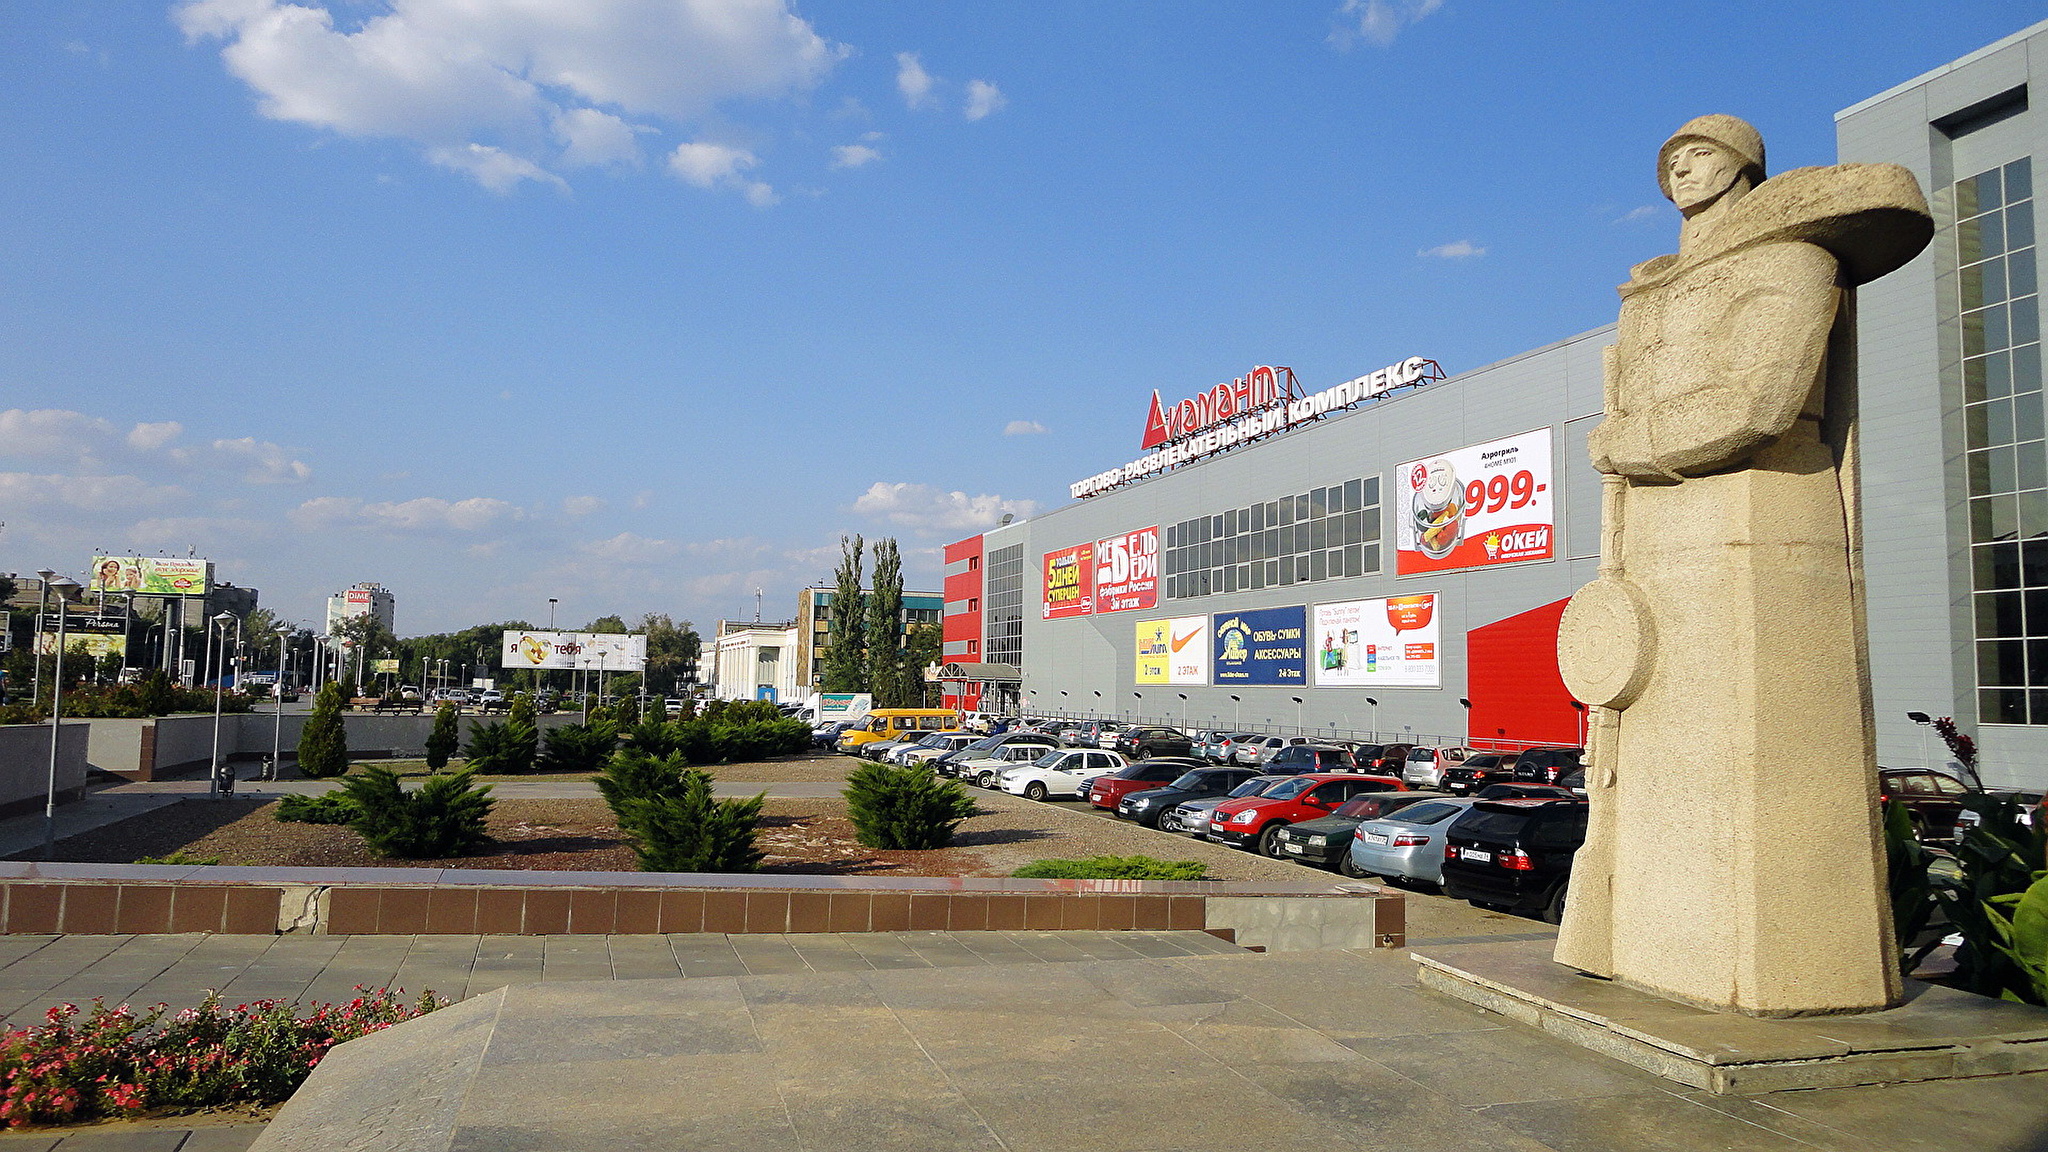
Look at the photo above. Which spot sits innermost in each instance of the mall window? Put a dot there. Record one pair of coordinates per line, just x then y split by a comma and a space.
1993, 300
1003, 624
1322, 534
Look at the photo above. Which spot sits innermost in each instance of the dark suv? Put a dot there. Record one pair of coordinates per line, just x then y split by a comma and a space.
1140, 743
1545, 765
1298, 758
1514, 855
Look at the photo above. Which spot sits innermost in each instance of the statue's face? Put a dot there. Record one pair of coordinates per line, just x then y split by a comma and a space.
1700, 171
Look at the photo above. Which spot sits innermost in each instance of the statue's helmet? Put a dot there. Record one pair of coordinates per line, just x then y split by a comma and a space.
1729, 132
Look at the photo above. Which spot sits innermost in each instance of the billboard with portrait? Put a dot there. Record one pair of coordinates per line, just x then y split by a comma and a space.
594, 651
151, 575
1266, 647
1390, 643
1477, 507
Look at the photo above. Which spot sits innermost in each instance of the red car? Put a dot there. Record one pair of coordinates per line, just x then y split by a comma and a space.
1105, 791
1255, 821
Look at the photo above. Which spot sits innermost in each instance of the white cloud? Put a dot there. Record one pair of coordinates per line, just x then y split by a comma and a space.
709, 165
582, 505
984, 98
84, 493
853, 155
267, 462
1024, 428
912, 80
628, 548
86, 443
422, 514
1638, 215
1455, 250
534, 85
148, 437
52, 432
923, 508
1379, 21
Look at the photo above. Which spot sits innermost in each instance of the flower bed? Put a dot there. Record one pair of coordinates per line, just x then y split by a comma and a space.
114, 1062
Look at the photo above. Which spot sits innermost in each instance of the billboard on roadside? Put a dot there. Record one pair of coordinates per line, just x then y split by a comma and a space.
1127, 571
1069, 582
151, 575
1390, 643
1476, 507
594, 651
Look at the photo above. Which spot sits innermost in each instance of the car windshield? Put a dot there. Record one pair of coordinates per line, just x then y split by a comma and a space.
1483, 760
1251, 787
1190, 782
1425, 813
1422, 754
1362, 807
1048, 760
1289, 789
987, 742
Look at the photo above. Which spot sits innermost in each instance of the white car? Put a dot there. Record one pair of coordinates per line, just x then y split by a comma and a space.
934, 746
983, 769
1065, 775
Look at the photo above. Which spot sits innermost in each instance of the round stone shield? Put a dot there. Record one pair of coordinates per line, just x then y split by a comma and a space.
1606, 644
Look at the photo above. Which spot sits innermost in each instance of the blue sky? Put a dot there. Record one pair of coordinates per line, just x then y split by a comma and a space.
640, 304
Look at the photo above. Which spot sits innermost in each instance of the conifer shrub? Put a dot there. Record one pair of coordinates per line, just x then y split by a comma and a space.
444, 817
332, 808
666, 809
323, 742
579, 747
445, 737
905, 808
1113, 868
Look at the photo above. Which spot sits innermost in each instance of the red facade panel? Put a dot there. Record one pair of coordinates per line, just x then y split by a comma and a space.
961, 629
1518, 696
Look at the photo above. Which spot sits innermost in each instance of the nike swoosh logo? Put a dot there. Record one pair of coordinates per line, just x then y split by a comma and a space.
1180, 642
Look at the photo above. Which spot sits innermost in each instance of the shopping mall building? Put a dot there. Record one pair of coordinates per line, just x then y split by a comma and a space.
1391, 554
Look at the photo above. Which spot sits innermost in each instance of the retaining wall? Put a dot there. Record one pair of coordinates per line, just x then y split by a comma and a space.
175, 745
25, 765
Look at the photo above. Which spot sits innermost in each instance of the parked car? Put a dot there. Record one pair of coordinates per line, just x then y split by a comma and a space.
826, 735
1059, 775
1475, 772
1382, 757
876, 749
985, 767
1215, 745
1933, 799
1145, 741
1545, 765
1255, 821
1152, 806
1255, 751
1107, 791
1297, 758
1325, 842
947, 764
1513, 791
1404, 845
1425, 765
1192, 816
1514, 855
1104, 735
934, 746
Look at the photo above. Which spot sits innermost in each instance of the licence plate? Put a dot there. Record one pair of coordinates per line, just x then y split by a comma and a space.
1372, 837
1475, 855
1294, 848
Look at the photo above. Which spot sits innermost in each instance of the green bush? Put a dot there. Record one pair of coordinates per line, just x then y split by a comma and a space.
897, 808
445, 737
1113, 868
1999, 903
665, 808
332, 808
579, 747
444, 817
500, 748
323, 743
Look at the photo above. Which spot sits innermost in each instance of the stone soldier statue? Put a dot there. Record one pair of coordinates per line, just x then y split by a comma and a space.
1734, 859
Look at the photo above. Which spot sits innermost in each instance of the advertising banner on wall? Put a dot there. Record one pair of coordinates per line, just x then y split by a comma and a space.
1069, 582
1269, 647
1127, 571
98, 636
1389, 643
594, 651
151, 575
1173, 651
1476, 507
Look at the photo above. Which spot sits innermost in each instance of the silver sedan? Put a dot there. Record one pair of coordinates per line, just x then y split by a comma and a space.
1408, 845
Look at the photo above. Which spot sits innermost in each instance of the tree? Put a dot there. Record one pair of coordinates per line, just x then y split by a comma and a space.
323, 743
846, 660
445, 737
672, 651
885, 628
611, 624
923, 650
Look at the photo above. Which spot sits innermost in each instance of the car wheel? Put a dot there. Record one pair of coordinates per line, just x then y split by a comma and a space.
1553, 912
1350, 868
1269, 842
985, 780
1034, 791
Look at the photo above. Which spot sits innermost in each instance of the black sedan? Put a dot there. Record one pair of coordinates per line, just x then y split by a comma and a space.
1148, 806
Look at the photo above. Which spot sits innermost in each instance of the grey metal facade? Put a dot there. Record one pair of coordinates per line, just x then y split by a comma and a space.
1952, 448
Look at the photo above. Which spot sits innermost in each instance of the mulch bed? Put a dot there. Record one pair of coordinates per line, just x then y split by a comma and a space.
800, 837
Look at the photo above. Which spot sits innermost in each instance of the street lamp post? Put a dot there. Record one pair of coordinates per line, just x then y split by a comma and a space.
56, 713
1298, 731
1236, 706
1375, 716
284, 631
223, 620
